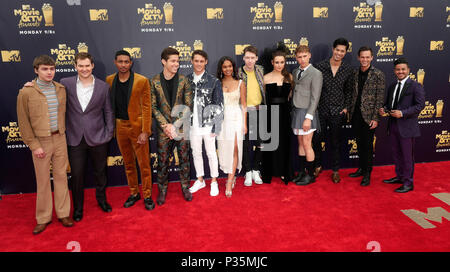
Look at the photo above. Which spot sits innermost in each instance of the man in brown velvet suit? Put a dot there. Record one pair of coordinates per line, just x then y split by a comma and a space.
131, 103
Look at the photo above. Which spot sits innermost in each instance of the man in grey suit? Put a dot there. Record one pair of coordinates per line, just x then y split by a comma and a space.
89, 128
308, 86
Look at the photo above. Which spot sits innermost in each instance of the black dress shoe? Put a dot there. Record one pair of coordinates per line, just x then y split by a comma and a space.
392, 180
149, 204
77, 216
365, 181
131, 200
358, 173
307, 179
404, 189
105, 206
161, 198
298, 177
187, 194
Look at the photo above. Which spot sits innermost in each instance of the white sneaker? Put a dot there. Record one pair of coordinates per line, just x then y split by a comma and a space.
257, 177
197, 186
248, 179
214, 189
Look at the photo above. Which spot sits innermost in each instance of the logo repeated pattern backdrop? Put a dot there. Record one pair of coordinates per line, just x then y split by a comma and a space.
418, 30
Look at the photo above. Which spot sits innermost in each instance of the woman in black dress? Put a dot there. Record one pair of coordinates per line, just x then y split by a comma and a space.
276, 149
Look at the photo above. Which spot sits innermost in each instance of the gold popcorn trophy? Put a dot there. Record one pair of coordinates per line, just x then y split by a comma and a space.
168, 12
278, 12
400, 44
47, 10
378, 11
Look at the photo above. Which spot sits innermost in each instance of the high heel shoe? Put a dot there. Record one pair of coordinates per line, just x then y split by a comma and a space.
228, 193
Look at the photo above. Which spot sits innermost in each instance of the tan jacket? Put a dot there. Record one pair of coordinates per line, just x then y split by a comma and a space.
139, 102
32, 114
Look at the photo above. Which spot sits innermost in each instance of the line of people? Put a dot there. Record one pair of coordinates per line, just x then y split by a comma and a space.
251, 115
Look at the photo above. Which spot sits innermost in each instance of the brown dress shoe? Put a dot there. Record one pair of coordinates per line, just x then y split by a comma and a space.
40, 228
317, 171
187, 194
66, 221
335, 177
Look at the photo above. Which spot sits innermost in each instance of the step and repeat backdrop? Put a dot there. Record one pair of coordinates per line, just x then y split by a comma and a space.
416, 29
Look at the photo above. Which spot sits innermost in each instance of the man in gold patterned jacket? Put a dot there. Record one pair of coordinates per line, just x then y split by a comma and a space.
171, 107
367, 98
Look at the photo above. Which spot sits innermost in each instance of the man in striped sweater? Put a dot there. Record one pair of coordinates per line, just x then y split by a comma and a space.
41, 112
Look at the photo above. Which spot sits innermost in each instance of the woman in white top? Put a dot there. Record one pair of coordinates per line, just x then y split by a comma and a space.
234, 124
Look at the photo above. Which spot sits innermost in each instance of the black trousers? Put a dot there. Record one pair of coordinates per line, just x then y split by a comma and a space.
78, 158
364, 139
252, 155
330, 128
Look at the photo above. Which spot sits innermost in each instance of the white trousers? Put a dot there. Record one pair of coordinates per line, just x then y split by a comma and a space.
210, 146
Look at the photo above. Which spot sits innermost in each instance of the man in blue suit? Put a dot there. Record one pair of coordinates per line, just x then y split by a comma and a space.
404, 101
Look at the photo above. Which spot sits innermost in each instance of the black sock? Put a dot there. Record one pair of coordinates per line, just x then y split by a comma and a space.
310, 168
302, 164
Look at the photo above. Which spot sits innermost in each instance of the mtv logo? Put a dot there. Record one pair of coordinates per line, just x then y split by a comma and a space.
11, 56
239, 48
435, 214
115, 160
214, 13
98, 14
436, 45
320, 12
73, 2
26, 7
135, 52
417, 12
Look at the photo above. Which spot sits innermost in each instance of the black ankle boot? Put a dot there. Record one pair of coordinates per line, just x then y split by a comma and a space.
358, 173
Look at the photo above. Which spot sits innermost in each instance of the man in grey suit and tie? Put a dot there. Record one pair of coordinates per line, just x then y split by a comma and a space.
89, 128
306, 95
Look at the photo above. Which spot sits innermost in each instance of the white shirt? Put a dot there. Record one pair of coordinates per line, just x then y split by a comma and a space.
196, 128
84, 94
402, 83
309, 116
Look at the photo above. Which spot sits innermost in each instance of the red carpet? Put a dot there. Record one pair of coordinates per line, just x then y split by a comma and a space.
270, 217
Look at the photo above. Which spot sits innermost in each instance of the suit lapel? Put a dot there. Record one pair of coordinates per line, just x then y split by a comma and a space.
391, 95
113, 93
370, 75
404, 89
305, 74
163, 90
95, 93
130, 87
175, 90
72, 90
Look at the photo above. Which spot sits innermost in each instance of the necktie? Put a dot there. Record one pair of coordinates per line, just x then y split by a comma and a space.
397, 94
299, 74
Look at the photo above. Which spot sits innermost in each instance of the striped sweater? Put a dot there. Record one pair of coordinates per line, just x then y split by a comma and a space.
48, 89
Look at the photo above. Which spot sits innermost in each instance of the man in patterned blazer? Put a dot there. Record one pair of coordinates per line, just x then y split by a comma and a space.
171, 107
334, 102
367, 98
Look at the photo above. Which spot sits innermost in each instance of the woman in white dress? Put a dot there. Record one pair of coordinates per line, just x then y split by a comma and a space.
234, 124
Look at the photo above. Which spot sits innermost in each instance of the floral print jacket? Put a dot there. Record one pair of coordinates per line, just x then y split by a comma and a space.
209, 101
